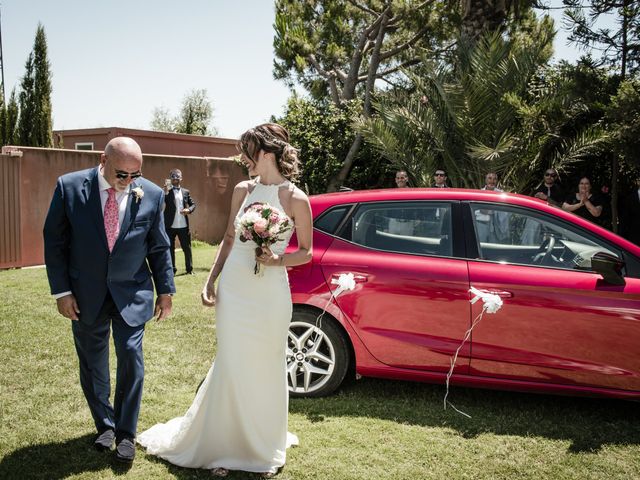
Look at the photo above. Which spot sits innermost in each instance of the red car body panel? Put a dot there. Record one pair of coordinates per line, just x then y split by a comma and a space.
559, 331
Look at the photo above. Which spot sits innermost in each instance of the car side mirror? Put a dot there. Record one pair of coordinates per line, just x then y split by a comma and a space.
609, 266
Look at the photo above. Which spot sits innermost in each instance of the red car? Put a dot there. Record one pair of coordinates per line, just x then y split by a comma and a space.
569, 324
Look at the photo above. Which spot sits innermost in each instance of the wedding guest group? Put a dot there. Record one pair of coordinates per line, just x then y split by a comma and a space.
105, 248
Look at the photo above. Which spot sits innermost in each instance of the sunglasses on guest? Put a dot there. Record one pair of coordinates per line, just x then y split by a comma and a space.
438, 174
124, 175
551, 174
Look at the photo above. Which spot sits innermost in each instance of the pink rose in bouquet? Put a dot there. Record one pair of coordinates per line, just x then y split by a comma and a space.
264, 224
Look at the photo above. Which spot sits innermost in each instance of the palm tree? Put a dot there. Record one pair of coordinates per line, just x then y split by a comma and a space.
475, 117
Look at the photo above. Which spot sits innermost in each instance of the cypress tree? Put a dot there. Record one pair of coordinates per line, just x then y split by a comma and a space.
35, 124
42, 127
11, 131
27, 106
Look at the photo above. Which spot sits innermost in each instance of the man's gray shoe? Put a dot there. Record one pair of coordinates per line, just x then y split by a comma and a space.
125, 450
104, 440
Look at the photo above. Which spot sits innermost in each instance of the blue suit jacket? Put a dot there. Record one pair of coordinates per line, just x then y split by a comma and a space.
77, 257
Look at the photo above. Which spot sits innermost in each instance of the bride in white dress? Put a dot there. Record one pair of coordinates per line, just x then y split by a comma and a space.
238, 420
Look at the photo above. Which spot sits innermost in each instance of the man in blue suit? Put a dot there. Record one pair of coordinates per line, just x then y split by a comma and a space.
105, 242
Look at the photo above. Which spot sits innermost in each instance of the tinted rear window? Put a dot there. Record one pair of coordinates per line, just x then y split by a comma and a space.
329, 221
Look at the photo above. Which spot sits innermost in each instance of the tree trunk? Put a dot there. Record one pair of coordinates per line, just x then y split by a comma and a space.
339, 179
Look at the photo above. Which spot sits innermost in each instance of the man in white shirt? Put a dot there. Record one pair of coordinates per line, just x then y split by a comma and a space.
178, 206
491, 225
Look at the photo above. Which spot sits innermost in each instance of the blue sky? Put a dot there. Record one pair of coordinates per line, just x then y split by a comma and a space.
114, 61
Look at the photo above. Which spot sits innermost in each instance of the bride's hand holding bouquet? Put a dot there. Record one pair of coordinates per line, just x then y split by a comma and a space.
264, 224
266, 257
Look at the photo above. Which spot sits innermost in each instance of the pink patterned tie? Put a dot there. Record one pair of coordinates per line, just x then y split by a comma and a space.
111, 224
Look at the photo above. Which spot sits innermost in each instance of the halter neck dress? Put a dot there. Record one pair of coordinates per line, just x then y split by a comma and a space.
238, 419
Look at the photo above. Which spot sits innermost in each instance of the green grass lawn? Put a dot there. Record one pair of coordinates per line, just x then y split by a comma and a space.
371, 429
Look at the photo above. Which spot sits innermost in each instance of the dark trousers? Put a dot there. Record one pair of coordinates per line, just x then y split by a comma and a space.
92, 346
184, 235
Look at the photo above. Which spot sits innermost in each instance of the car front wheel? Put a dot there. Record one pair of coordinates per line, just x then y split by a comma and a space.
317, 355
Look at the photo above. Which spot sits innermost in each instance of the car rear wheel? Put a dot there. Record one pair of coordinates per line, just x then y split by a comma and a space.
317, 355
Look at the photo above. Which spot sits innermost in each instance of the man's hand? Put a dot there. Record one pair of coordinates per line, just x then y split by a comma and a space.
185, 211
68, 307
163, 307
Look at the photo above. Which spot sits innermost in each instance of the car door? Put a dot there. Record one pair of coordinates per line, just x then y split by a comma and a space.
410, 306
561, 322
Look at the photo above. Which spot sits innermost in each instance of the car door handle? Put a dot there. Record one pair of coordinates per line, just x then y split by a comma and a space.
500, 293
357, 277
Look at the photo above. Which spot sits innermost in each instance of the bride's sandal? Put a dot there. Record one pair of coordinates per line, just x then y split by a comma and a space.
268, 474
220, 472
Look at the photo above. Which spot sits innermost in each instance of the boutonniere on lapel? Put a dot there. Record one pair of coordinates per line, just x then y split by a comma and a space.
138, 193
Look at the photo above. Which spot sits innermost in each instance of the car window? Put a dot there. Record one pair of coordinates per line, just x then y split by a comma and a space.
328, 221
422, 228
518, 235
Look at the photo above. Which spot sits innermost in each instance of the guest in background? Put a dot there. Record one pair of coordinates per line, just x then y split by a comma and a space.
630, 215
440, 178
491, 182
402, 179
491, 226
178, 206
584, 203
549, 190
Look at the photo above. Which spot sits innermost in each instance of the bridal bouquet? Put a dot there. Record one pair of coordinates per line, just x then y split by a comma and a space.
264, 224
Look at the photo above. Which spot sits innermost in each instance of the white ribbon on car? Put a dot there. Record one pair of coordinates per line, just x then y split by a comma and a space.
345, 282
491, 303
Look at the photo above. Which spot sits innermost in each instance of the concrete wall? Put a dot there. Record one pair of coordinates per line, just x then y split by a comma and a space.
210, 180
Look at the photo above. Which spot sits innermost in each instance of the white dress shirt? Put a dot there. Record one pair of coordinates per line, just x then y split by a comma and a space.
178, 220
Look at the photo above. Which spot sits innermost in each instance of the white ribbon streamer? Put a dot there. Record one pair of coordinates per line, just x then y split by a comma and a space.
491, 303
346, 281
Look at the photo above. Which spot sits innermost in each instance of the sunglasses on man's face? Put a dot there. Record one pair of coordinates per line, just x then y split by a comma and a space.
439, 175
124, 175
550, 175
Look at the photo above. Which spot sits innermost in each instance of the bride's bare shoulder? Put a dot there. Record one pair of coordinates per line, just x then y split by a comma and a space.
244, 186
298, 196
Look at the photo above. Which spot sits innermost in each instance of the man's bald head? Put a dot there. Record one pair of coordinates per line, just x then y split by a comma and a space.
123, 147
122, 155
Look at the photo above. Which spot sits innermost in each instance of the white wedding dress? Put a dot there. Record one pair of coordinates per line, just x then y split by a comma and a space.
238, 419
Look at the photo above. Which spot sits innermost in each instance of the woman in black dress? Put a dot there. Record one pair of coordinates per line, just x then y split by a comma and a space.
583, 202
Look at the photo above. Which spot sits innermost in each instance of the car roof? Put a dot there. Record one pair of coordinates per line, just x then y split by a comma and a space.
322, 202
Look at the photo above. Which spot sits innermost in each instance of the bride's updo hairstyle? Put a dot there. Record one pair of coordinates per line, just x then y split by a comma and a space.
272, 138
